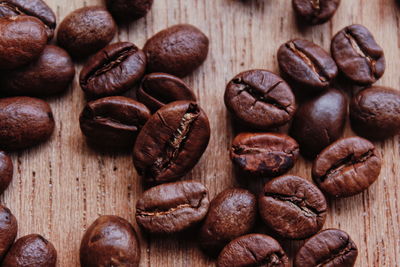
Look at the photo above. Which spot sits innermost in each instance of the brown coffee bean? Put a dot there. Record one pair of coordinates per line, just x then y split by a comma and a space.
177, 50
253, 250
173, 207
347, 167
8, 230
315, 11
24, 122
127, 10
110, 241
292, 207
6, 173
331, 247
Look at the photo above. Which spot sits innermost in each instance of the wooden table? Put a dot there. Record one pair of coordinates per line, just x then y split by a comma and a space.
60, 187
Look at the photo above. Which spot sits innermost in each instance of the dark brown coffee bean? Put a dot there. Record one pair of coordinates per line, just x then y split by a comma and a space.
315, 11
126, 10
173, 207
171, 142
260, 99
253, 250
293, 207
6, 173
50, 74
307, 64
331, 247
347, 167
375, 112
232, 214
358, 55
86, 30
264, 154
113, 122
8, 230
319, 122
110, 241
177, 50
158, 89
24, 122
22, 40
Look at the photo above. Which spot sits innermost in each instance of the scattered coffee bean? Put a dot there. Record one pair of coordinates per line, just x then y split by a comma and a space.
315, 11
126, 10
6, 173
8, 230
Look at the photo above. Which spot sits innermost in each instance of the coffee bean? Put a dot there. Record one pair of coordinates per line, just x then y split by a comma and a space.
358, 55
264, 154
6, 173
260, 99
292, 207
127, 10
307, 64
8, 229
31, 250
86, 30
177, 50
50, 74
319, 122
331, 247
253, 250
375, 112
24, 122
171, 142
173, 207
315, 11
110, 241
158, 89
232, 213
347, 167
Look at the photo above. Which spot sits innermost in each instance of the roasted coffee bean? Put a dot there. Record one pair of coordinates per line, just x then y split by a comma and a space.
113, 122
110, 241
22, 40
50, 74
260, 99
347, 167
315, 11
8, 230
126, 10
232, 214
6, 173
171, 142
253, 250
331, 247
86, 30
307, 64
177, 50
375, 112
24, 122
293, 207
264, 154
173, 207
358, 55
319, 122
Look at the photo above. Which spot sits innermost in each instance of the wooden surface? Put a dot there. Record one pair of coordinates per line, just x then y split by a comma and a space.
60, 187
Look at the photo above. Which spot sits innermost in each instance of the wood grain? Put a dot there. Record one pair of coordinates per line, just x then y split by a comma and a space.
60, 187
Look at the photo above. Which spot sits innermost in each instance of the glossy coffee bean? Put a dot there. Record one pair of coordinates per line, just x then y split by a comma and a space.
347, 167
173, 207
331, 247
22, 40
315, 11
177, 50
113, 70
159, 89
358, 55
375, 112
127, 10
110, 241
24, 122
292, 207
232, 213
260, 99
6, 172
319, 121
171, 142
86, 30
50, 74
307, 64
264, 154
253, 250
8, 230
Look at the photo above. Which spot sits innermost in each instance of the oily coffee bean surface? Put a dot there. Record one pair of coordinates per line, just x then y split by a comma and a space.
347, 167
110, 241
260, 99
8, 230
315, 11
292, 207
6, 172
126, 10
171, 142
358, 55
173, 207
